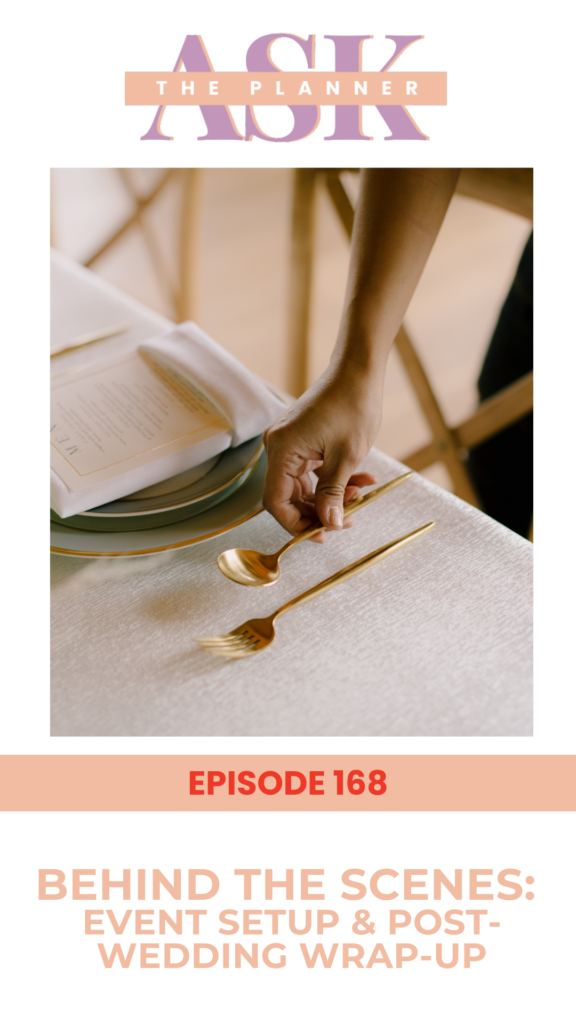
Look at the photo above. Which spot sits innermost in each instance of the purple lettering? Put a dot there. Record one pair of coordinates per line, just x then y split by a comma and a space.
348, 57
193, 57
258, 59
398, 119
348, 119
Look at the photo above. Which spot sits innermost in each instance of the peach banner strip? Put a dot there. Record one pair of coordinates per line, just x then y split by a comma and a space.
163, 783
278, 88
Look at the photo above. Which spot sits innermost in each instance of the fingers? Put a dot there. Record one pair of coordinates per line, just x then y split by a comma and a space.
333, 479
362, 480
283, 493
307, 508
288, 512
318, 538
288, 491
351, 493
307, 487
357, 481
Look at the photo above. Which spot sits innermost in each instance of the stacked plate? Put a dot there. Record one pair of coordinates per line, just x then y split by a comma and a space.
184, 510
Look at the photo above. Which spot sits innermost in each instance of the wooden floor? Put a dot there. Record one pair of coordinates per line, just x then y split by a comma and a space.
241, 290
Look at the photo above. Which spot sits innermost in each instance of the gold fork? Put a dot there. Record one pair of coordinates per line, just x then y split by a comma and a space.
256, 634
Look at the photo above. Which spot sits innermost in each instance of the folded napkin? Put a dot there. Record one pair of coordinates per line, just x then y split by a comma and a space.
242, 399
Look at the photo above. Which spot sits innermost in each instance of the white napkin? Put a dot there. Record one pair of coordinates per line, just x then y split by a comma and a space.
243, 399
240, 396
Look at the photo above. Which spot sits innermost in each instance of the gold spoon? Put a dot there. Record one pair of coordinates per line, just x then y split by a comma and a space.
254, 569
254, 635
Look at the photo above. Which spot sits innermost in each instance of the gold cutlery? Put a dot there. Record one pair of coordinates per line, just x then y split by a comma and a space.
256, 634
254, 569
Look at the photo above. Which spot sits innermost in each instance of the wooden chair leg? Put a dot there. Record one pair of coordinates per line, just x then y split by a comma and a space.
130, 221
162, 271
300, 288
340, 200
444, 440
491, 416
186, 303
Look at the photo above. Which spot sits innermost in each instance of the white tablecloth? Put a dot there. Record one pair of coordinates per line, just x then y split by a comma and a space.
434, 641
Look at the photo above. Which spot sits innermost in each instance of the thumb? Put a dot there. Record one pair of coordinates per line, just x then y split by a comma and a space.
336, 471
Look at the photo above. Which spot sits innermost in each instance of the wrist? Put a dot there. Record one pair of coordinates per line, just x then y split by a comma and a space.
363, 344
360, 364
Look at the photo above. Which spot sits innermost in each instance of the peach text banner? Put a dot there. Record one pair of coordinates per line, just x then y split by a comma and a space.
163, 783
278, 88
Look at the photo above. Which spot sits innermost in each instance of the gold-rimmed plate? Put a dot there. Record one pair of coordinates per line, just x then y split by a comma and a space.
242, 504
174, 503
226, 469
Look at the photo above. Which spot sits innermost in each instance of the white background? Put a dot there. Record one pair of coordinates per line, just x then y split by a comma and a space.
63, 74
56, 972
501, 112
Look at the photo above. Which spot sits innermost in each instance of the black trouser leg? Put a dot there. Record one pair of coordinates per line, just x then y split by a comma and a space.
502, 467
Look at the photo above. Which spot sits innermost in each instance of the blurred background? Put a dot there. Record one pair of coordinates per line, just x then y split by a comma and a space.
226, 248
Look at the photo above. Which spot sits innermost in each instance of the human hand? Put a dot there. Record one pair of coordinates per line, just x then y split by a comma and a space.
328, 431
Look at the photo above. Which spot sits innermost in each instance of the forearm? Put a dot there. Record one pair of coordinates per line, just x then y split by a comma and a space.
332, 426
399, 214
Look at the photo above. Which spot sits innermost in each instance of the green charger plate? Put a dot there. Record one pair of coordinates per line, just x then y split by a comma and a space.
243, 502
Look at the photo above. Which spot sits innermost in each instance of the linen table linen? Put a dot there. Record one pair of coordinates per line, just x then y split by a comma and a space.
435, 640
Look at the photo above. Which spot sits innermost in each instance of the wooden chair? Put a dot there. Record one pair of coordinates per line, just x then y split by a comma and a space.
179, 291
511, 189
